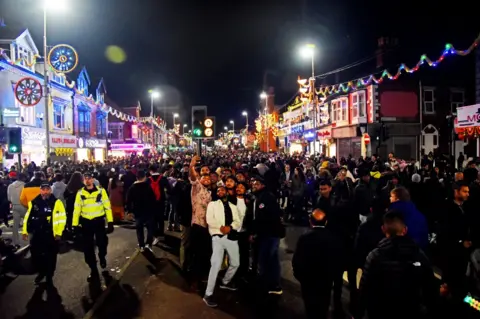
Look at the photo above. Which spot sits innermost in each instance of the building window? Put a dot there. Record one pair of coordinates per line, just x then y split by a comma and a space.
336, 111
101, 124
429, 101
457, 99
344, 110
117, 132
58, 78
58, 116
358, 104
84, 122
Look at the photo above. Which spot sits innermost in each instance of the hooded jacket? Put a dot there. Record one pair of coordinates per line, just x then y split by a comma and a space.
415, 221
14, 191
30, 191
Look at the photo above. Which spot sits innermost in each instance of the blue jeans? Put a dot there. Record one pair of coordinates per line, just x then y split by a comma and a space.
268, 262
147, 222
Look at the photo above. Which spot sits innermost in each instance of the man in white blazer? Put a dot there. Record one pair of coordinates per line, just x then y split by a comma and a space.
223, 224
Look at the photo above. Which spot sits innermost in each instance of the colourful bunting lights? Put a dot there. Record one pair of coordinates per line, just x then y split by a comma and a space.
372, 79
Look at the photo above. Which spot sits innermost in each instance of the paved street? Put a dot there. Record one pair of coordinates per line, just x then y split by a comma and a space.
75, 296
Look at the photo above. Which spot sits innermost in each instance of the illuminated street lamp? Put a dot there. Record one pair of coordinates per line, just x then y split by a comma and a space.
225, 128
233, 125
264, 96
308, 51
184, 126
175, 115
245, 113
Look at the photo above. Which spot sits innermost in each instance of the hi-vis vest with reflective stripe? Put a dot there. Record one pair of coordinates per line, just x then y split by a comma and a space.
91, 205
58, 219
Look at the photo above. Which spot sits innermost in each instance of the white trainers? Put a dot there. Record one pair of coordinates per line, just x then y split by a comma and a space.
156, 241
142, 249
147, 247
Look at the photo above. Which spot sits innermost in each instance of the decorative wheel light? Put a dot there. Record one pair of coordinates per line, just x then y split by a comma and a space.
63, 58
28, 91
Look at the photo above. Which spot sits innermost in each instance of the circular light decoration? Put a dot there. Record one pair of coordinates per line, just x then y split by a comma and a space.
208, 123
208, 132
28, 91
63, 58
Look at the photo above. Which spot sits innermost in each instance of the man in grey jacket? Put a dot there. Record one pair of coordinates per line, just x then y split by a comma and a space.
18, 210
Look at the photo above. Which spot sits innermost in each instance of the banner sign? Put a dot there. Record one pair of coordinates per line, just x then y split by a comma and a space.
468, 116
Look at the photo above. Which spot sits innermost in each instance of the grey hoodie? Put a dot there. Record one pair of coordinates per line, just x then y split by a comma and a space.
13, 194
58, 189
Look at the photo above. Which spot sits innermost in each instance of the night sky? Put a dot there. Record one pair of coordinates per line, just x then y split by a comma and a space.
217, 53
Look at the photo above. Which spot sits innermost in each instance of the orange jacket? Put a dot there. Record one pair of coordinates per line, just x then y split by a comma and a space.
30, 191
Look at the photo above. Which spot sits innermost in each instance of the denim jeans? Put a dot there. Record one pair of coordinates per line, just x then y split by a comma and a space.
268, 262
147, 222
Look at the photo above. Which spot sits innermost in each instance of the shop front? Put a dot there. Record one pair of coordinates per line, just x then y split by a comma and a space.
348, 142
91, 149
33, 145
327, 143
62, 147
309, 137
120, 150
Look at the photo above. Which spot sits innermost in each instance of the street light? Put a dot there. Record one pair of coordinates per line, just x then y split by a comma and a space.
308, 51
153, 95
184, 126
175, 115
48, 5
225, 128
233, 126
264, 96
245, 113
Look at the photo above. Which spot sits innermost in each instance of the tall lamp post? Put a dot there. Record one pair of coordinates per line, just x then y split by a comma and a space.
225, 128
308, 51
183, 130
175, 115
264, 96
48, 4
153, 95
244, 113
233, 126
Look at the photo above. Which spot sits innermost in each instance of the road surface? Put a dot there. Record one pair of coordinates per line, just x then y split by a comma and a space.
73, 297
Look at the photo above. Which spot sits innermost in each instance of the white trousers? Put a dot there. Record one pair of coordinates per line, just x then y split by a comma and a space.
219, 246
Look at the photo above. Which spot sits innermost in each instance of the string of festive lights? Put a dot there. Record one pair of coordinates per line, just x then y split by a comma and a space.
475, 304
345, 87
158, 122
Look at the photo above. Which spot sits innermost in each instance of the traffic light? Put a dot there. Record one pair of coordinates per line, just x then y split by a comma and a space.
209, 127
15, 140
198, 118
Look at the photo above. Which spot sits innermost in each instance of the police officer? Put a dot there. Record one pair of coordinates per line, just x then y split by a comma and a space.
91, 208
45, 221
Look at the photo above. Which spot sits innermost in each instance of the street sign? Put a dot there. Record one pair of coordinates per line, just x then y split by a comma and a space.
366, 138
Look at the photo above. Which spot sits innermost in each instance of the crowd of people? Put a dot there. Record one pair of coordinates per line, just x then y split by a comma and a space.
388, 217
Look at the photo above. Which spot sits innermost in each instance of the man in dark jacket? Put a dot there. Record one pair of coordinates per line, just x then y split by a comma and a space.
343, 221
364, 195
397, 277
266, 230
140, 200
456, 240
159, 207
317, 261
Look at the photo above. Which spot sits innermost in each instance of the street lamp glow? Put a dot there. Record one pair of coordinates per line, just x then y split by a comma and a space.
308, 50
57, 5
225, 128
244, 113
175, 115
263, 95
184, 125
231, 122
155, 94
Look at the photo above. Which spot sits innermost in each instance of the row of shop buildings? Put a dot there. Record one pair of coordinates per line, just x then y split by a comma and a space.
80, 123
411, 116
407, 118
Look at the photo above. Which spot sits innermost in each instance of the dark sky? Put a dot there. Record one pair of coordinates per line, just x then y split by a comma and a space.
216, 53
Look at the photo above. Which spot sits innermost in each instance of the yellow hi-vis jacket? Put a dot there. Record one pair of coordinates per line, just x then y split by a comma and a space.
91, 205
58, 219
